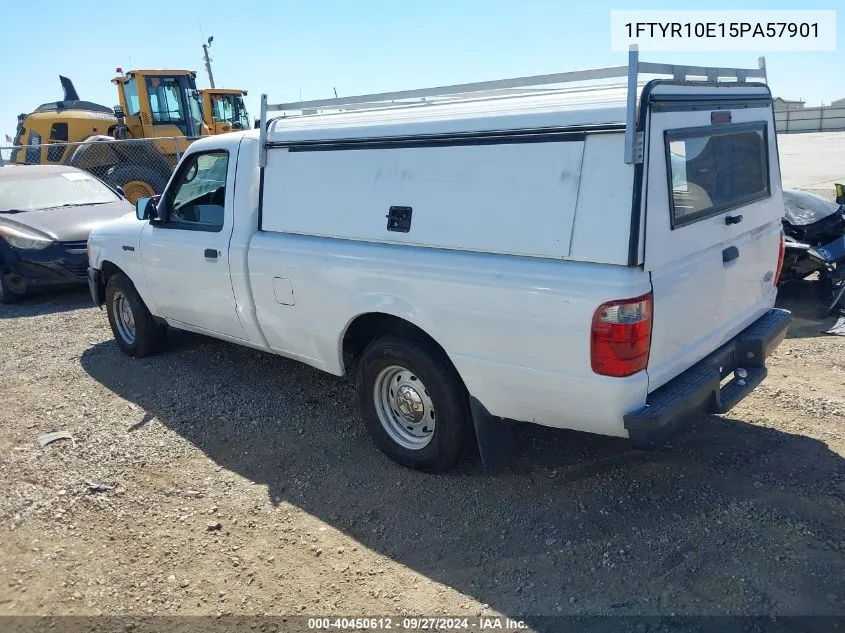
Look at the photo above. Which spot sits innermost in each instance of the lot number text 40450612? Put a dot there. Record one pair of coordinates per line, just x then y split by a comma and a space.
417, 623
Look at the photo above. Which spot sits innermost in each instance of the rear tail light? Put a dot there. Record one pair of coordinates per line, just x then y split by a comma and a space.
781, 254
620, 339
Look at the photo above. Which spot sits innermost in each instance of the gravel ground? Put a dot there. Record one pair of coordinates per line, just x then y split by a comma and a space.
214, 479
217, 480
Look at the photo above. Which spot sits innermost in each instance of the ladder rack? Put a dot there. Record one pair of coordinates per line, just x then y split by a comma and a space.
486, 89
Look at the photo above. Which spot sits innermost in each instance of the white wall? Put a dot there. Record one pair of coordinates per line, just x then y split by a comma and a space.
819, 119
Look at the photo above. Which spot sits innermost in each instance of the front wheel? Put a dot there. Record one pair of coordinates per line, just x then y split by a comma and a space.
136, 332
6, 294
836, 295
413, 402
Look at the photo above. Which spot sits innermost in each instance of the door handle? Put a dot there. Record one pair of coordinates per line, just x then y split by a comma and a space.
729, 254
733, 219
211, 253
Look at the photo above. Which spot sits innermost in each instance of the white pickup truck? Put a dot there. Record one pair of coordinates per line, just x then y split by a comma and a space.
587, 256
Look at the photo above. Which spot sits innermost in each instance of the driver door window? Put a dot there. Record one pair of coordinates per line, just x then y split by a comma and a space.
197, 202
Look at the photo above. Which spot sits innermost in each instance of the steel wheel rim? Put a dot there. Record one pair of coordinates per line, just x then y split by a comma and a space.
404, 407
124, 318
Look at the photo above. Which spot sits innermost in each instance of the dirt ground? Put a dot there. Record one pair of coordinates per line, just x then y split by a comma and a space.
214, 479
217, 480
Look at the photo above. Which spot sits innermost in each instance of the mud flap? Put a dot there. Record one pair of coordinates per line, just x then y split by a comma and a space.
494, 435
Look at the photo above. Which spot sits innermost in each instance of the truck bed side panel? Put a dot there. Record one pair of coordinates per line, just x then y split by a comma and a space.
517, 329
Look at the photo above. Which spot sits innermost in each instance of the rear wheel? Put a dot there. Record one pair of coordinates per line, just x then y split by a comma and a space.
136, 332
413, 403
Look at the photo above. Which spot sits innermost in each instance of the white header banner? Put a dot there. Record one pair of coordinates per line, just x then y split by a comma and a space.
711, 30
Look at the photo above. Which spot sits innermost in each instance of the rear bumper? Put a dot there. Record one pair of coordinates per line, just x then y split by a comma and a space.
698, 390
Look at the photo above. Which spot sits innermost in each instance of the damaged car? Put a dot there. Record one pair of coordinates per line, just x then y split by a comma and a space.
814, 236
46, 215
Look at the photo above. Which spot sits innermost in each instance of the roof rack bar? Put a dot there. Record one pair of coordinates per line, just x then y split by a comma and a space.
631, 105
456, 89
482, 89
680, 73
683, 72
262, 133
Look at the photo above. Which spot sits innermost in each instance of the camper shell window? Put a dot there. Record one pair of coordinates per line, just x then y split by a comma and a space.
716, 168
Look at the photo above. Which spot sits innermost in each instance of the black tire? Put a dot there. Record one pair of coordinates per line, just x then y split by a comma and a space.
6, 295
441, 384
833, 296
148, 335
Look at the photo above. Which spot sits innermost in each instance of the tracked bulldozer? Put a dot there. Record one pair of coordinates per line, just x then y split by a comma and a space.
159, 114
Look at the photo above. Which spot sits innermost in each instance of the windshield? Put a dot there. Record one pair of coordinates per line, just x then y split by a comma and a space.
28, 193
165, 100
169, 97
229, 108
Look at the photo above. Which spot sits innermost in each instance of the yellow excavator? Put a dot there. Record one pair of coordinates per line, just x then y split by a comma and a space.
224, 110
153, 104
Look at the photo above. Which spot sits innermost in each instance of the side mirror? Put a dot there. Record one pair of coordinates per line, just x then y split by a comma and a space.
145, 209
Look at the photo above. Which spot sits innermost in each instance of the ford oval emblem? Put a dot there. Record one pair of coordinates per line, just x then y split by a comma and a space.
768, 277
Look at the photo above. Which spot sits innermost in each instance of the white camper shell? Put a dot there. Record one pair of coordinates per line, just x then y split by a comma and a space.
555, 249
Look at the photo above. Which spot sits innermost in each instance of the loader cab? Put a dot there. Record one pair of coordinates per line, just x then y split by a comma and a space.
224, 110
160, 103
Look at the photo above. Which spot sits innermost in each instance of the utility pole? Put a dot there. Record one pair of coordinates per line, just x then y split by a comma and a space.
205, 48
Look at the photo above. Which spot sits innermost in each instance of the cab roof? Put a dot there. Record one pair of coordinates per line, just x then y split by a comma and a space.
159, 72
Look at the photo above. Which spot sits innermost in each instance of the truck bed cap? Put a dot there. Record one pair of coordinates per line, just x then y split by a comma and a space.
593, 106
573, 99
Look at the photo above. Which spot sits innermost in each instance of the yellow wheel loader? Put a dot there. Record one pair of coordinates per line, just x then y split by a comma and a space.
224, 110
161, 105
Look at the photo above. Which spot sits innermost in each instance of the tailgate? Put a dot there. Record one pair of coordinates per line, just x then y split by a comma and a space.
713, 205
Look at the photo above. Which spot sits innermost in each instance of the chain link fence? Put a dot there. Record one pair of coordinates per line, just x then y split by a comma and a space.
141, 167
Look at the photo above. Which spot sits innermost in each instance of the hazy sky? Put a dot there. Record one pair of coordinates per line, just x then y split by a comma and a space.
289, 48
